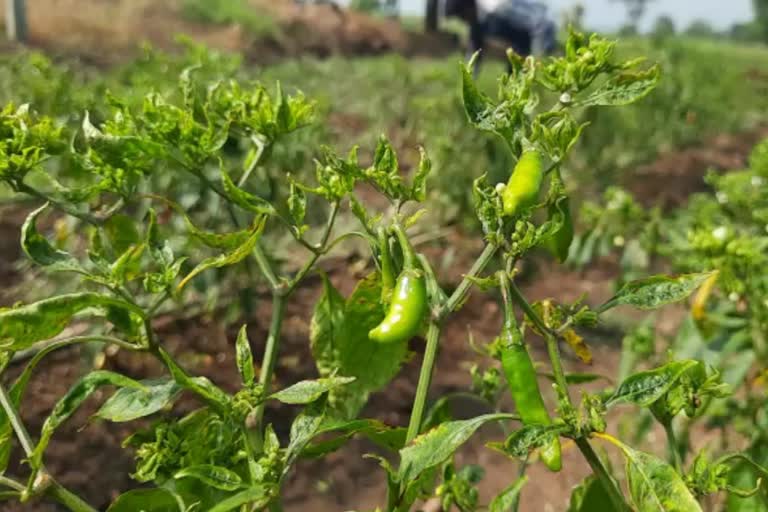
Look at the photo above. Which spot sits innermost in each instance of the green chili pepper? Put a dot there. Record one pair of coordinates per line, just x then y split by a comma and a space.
409, 300
387, 267
524, 184
559, 243
521, 377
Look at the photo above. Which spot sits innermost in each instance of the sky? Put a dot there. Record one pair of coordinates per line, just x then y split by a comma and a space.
607, 14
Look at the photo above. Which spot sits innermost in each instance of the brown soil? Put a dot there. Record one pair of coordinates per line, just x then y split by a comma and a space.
677, 174
88, 29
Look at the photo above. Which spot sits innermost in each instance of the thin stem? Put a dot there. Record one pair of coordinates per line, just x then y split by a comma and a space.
68, 499
318, 250
672, 449
11, 483
266, 267
85, 217
457, 297
552, 348
425, 379
56, 490
270, 352
260, 146
36, 352
602, 475
18, 426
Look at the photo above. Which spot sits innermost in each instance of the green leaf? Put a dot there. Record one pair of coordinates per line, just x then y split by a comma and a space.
624, 88
213, 476
419, 184
297, 204
146, 500
257, 497
303, 429
244, 357
131, 403
308, 391
589, 496
214, 240
644, 388
69, 403
653, 292
390, 438
22, 326
436, 446
39, 250
121, 232
506, 500
237, 255
340, 344
531, 437
201, 386
655, 486
243, 199
476, 104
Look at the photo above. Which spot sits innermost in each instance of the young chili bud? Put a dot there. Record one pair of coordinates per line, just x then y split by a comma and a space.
559, 243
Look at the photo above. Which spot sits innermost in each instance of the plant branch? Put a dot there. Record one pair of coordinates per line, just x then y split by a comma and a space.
457, 297
11, 483
55, 489
85, 217
266, 267
672, 449
617, 498
18, 426
425, 379
70, 500
270, 352
318, 250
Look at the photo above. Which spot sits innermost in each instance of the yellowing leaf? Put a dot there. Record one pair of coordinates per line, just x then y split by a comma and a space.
576, 342
699, 305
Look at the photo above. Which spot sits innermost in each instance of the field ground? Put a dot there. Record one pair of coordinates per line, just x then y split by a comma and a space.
95, 464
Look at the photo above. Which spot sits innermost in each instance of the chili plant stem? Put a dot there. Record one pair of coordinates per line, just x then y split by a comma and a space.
10, 483
425, 379
433, 338
461, 291
18, 426
56, 490
602, 475
674, 452
68, 499
85, 217
270, 352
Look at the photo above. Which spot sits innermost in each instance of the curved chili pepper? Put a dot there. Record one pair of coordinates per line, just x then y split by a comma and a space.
521, 378
409, 300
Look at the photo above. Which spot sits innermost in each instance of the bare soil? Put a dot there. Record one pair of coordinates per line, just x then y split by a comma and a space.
88, 29
87, 456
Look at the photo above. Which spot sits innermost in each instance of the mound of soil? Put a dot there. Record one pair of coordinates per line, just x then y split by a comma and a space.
109, 31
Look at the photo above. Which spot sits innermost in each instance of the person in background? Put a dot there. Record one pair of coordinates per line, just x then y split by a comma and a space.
524, 25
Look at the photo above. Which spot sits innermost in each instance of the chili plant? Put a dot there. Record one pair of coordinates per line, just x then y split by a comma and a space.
225, 455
